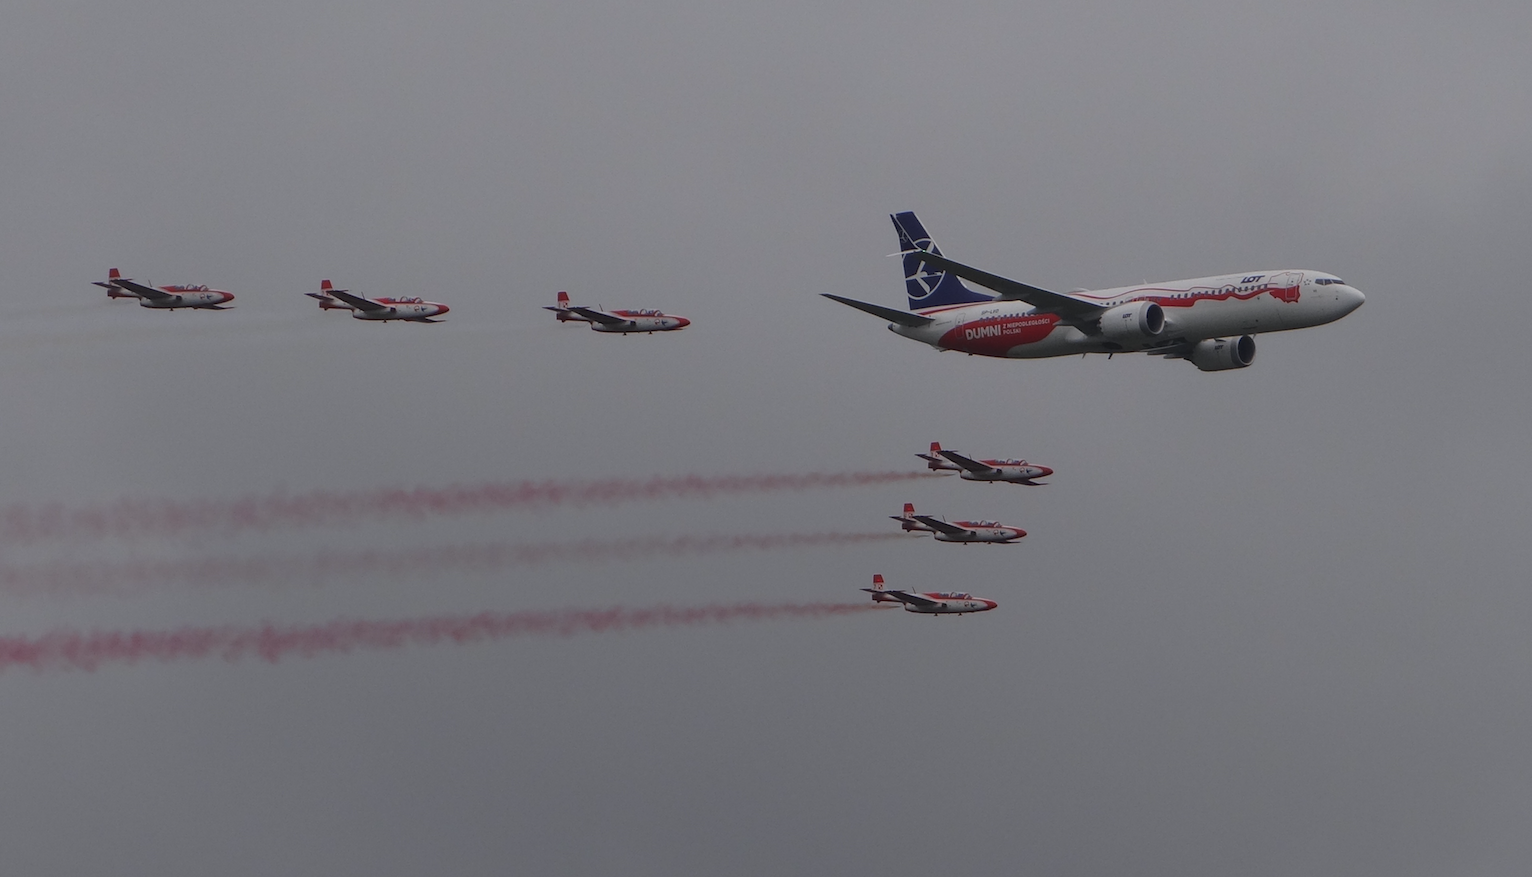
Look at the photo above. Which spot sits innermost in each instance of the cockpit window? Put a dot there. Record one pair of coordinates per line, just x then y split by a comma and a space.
1326, 281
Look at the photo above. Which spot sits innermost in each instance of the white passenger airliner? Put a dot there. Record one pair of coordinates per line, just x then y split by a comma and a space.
1210, 321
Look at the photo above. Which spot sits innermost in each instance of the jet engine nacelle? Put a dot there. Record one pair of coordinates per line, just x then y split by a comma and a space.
1220, 354
1132, 324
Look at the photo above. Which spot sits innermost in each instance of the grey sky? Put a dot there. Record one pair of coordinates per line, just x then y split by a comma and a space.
1269, 622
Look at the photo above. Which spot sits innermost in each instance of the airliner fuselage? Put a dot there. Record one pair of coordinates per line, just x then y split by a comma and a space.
1192, 310
1211, 321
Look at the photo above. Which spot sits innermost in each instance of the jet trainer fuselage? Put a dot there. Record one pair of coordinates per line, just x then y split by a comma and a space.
929, 602
989, 471
962, 532
170, 298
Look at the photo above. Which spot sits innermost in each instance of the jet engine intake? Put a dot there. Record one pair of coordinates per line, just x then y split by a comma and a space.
1132, 324
1220, 354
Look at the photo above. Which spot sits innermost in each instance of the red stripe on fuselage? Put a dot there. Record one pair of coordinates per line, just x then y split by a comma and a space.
997, 335
1185, 298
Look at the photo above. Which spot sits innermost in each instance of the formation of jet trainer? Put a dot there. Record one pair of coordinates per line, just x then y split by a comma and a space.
932, 603
1211, 321
164, 297
646, 320
992, 471
415, 310
967, 532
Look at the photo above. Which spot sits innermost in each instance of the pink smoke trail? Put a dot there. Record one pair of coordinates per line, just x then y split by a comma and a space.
134, 576
165, 517
68, 649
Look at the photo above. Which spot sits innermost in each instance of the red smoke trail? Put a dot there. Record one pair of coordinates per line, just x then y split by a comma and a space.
129, 577
164, 517
72, 650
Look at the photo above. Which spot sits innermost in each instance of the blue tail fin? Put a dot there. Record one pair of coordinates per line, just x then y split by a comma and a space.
925, 288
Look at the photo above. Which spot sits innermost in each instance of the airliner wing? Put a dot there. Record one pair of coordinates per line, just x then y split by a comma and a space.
940, 526
1066, 306
903, 318
357, 301
598, 316
148, 292
970, 465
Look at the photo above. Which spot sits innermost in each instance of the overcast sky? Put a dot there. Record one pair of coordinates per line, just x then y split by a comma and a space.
1266, 622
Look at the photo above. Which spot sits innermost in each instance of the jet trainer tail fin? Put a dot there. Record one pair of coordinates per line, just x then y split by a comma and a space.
326, 300
562, 309
925, 287
933, 459
907, 520
879, 594
110, 284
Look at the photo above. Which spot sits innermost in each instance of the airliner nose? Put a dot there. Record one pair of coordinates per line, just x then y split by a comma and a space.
1351, 298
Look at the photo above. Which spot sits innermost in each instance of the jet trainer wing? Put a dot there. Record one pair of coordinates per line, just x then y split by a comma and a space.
966, 463
905, 597
598, 316
941, 526
1066, 306
357, 301
139, 289
903, 318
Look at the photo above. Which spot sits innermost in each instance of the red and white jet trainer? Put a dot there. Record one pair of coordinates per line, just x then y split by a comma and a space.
958, 531
933, 603
650, 321
1211, 321
164, 297
414, 310
1008, 471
